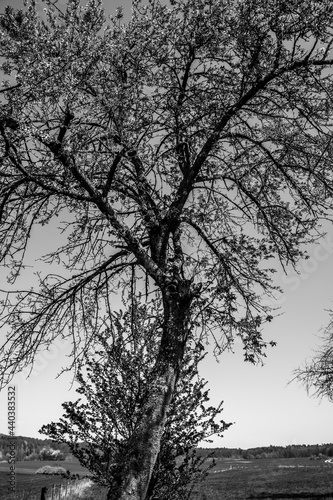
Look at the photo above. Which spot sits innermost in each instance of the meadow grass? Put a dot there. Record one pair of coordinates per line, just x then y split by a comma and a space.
267, 479
83, 489
295, 479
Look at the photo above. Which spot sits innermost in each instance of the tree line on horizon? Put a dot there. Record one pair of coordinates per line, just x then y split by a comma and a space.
43, 449
312, 451
32, 449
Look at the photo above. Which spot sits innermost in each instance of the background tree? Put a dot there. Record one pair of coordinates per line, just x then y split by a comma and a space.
317, 374
114, 378
183, 150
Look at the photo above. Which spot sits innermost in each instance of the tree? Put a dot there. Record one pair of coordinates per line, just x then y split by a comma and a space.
114, 379
48, 453
184, 150
317, 374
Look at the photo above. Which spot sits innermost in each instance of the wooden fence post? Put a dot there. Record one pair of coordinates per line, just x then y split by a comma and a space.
56, 490
43, 493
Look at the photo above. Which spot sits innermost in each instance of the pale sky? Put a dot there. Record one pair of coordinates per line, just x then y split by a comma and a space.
265, 409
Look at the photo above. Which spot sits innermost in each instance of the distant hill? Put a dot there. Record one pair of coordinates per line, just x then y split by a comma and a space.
28, 448
292, 451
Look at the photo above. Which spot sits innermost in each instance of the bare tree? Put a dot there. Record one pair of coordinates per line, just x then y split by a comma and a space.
185, 150
317, 374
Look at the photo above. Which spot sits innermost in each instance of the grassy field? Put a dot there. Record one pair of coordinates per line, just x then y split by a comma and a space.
268, 479
28, 483
28, 489
229, 480
31, 467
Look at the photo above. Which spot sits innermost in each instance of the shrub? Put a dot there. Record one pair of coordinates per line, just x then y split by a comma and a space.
48, 469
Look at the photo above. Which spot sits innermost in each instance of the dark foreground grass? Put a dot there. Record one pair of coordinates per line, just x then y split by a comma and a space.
268, 479
29, 487
294, 479
29, 484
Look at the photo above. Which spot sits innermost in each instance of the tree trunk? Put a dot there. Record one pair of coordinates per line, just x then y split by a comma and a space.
143, 447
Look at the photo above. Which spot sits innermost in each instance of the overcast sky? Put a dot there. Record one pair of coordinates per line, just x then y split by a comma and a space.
265, 409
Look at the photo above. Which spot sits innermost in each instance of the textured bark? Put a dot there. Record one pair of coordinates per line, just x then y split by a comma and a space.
145, 444
143, 448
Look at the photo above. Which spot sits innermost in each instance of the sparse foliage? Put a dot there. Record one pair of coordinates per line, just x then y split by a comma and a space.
184, 150
317, 374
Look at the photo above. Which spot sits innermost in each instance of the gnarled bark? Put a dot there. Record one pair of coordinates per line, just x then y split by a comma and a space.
136, 468
144, 446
